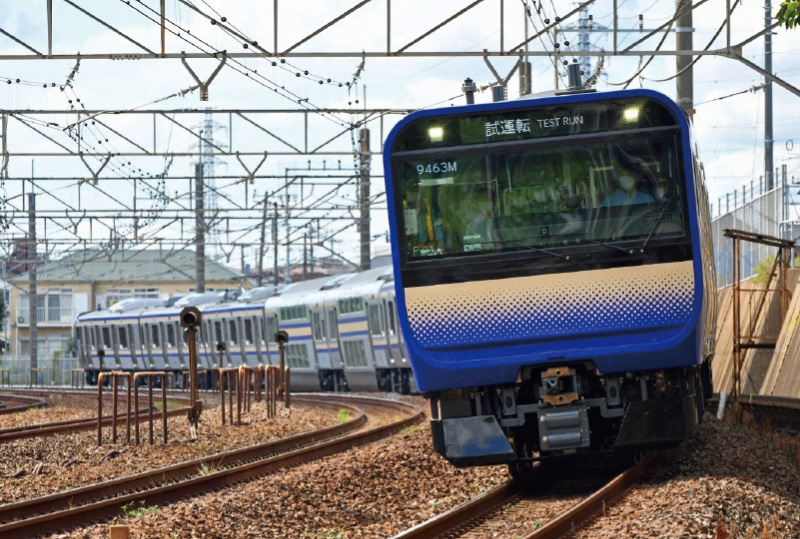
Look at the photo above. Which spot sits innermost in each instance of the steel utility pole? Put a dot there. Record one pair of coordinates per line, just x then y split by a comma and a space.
200, 224
275, 243
364, 228
769, 168
261, 244
33, 302
683, 41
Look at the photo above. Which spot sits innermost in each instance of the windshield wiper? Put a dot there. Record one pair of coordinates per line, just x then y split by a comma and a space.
536, 249
655, 225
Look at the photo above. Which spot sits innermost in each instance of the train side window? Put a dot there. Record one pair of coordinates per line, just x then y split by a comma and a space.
375, 321
217, 335
391, 326
106, 331
89, 338
333, 329
248, 331
271, 325
155, 338
122, 336
316, 323
170, 335
233, 334
95, 333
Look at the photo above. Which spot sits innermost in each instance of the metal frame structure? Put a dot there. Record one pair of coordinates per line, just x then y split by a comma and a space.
276, 143
746, 337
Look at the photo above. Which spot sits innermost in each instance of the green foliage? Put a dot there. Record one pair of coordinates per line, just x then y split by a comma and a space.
409, 429
789, 14
761, 278
343, 416
130, 509
205, 470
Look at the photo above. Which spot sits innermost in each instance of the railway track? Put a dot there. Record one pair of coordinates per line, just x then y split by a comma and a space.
14, 404
92, 503
472, 515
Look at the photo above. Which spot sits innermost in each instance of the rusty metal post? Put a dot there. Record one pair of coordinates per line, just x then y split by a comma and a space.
239, 396
287, 401
164, 405
257, 382
150, 407
136, 405
190, 320
222, 395
100, 408
269, 389
115, 386
128, 409
230, 396
282, 338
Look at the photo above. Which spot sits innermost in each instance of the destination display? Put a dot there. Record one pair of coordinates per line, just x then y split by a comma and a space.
558, 121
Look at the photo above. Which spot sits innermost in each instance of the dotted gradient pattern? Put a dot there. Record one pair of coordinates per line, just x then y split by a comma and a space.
566, 304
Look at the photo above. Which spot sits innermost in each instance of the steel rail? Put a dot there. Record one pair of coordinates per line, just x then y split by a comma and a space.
462, 516
103, 500
24, 403
76, 425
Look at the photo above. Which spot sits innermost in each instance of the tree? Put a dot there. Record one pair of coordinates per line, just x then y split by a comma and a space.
789, 13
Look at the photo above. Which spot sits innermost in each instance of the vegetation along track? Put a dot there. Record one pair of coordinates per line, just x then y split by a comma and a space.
478, 511
95, 502
14, 404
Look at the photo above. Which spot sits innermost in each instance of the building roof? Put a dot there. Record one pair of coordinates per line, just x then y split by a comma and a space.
128, 266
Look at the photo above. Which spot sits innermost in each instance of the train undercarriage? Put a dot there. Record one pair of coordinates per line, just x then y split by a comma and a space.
566, 411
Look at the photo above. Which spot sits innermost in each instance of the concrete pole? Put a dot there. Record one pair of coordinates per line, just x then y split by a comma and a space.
683, 41
33, 302
275, 243
364, 178
769, 168
200, 237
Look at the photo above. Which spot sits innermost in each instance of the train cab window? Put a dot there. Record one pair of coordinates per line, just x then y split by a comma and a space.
542, 197
171, 334
155, 338
106, 332
248, 331
95, 334
122, 337
233, 334
375, 326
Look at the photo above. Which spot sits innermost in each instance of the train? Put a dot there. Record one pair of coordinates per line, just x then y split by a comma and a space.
343, 334
553, 275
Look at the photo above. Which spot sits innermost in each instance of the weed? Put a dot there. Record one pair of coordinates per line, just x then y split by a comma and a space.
130, 509
537, 524
203, 448
435, 505
409, 429
343, 416
205, 470
222, 446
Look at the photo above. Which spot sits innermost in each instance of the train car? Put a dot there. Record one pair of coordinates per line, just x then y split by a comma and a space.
553, 274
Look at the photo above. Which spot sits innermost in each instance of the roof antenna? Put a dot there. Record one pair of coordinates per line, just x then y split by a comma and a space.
574, 77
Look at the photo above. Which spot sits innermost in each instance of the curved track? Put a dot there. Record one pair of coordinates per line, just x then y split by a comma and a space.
460, 520
19, 403
102, 500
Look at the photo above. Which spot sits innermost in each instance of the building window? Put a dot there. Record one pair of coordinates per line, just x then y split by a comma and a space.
115, 295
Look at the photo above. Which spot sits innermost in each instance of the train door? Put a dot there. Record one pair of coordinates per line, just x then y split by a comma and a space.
235, 342
111, 359
171, 344
127, 353
250, 341
269, 327
332, 328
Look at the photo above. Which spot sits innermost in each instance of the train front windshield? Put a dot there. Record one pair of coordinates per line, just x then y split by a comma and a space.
540, 194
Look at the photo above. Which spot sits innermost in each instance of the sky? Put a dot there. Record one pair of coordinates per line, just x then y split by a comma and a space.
729, 131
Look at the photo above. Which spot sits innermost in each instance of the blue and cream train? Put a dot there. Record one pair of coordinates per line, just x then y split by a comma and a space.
343, 334
554, 275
